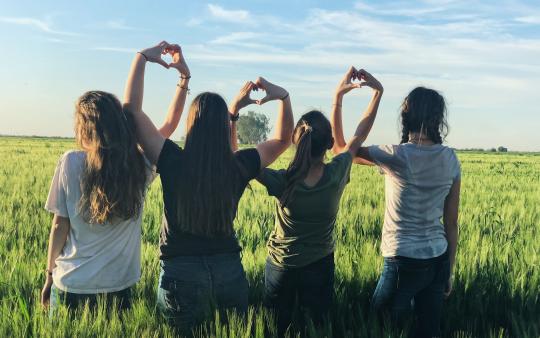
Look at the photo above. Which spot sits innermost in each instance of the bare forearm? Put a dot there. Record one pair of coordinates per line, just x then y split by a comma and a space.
234, 136
285, 123
134, 90
176, 108
337, 125
57, 241
368, 117
452, 236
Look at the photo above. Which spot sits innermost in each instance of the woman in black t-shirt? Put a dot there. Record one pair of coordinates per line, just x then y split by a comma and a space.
202, 184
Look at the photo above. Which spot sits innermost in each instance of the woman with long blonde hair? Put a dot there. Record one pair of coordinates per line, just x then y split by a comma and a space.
97, 198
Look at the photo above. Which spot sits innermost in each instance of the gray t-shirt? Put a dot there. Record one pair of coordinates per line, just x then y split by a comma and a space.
417, 178
97, 258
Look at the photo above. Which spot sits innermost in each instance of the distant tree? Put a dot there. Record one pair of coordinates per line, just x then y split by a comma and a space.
492, 150
502, 149
252, 128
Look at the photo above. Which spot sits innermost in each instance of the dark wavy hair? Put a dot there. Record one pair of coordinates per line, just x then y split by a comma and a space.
312, 137
114, 176
206, 191
424, 111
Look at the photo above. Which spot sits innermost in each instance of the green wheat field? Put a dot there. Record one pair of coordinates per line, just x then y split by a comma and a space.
497, 280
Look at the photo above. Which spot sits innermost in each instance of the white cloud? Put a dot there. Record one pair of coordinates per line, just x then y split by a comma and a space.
118, 24
115, 49
36, 23
218, 12
535, 20
234, 37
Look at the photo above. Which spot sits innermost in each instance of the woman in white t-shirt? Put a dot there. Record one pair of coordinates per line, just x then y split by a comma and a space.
97, 198
420, 233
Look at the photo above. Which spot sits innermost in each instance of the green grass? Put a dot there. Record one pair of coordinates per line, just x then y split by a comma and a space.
497, 284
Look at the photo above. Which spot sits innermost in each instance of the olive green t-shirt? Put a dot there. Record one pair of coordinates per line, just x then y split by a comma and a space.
303, 230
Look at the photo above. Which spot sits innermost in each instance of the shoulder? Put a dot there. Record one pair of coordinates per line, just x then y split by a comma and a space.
343, 159
170, 153
72, 159
453, 161
387, 151
273, 173
249, 154
170, 147
250, 159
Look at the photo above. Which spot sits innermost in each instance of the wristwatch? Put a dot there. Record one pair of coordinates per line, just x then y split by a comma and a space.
234, 117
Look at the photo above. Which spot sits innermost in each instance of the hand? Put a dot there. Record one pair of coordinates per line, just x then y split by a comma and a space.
369, 80
46, 292
242, 99
273, 92
178, 59
153, 54
448, 288
346, 84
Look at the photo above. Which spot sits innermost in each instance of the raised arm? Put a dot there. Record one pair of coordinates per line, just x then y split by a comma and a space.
148, 136
178, 102
57, 241
240, 101
270, 150
450, 220
368, 117
344, 87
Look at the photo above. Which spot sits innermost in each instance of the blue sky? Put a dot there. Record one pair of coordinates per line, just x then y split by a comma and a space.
483, 56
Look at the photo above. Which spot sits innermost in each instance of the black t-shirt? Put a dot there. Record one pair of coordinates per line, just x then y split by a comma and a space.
175, 242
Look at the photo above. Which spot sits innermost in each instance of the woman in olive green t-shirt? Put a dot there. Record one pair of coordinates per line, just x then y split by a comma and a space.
300, 249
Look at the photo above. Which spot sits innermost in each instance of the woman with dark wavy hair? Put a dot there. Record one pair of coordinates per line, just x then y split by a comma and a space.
202, 185
97, 198
420, 231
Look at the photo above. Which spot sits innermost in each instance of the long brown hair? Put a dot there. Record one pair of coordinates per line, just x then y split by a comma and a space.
206, 192
114, 177
424, 111
312, 137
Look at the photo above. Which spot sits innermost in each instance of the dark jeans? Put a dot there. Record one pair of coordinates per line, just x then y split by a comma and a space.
313, 284
120, 299
191, 287
408, 283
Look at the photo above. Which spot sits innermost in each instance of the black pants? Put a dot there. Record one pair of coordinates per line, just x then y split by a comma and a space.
313, 284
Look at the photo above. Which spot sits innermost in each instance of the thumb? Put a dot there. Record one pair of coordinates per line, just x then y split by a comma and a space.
163, 63
263, 100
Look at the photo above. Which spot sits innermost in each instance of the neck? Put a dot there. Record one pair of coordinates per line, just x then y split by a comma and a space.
420, 138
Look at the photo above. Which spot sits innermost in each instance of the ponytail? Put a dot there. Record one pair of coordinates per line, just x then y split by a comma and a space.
299, 167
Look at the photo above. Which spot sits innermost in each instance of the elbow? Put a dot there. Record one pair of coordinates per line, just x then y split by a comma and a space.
166, 131
336, 150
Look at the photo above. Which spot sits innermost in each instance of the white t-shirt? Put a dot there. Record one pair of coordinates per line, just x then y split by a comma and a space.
96, 258
417, 180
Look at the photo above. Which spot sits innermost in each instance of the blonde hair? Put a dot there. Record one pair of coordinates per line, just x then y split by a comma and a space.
114, 178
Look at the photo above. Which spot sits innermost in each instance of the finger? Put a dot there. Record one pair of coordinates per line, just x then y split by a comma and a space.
364, 73
261, 82
263, 100
364, 84
163, 63
349, 75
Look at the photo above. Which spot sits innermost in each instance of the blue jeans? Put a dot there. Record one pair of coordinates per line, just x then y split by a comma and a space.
121, 299
191, 287
313, 284
419, 284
